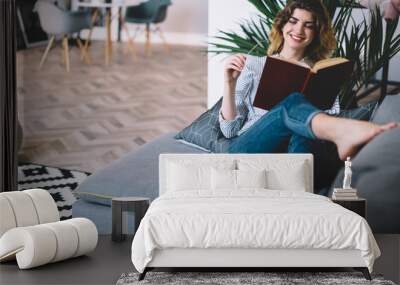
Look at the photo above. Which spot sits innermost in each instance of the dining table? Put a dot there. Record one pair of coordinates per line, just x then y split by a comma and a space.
113, 10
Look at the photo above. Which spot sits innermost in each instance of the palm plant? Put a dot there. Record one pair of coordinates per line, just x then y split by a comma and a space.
368, 44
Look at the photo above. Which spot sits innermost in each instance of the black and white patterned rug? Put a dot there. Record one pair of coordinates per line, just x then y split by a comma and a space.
58, 181
247, 278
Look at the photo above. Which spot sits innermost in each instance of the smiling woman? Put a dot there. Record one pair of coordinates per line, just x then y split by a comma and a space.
301, 32
304, 26
8, 114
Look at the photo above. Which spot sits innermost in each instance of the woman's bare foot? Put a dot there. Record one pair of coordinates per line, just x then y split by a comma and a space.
348, 135
353, 134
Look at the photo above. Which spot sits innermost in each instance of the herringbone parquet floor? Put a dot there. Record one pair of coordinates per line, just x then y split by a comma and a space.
95, 114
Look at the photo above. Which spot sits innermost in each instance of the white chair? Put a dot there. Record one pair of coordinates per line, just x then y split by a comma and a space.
31, 231
56, 21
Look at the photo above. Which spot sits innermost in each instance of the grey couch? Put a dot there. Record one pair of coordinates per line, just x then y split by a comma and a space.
136, 174
376, 175
376, 172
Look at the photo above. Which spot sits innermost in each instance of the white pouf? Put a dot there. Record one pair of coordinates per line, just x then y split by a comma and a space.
31, 232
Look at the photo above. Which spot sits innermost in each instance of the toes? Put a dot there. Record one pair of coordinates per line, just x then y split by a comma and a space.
393, 125
389, 126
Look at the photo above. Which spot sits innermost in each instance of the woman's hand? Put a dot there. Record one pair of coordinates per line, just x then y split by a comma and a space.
233, 67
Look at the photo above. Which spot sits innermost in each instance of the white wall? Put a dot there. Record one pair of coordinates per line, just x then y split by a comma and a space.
221, 18
187, 16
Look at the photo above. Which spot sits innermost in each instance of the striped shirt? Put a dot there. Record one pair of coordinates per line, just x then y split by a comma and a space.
245, 92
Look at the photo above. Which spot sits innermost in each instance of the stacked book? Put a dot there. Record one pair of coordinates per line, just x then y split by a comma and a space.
344, 194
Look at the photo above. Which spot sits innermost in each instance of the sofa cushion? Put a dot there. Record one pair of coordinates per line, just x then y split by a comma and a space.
389, 111
376, 176
205, 131
135, 174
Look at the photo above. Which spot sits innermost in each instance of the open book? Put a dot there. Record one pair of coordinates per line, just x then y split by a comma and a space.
320, 84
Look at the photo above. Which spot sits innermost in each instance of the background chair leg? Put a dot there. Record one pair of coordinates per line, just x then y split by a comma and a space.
93, 21
66, 52
46, 52
62, 51
108, 49
137, 31
148, 43
132, 49
131, 45
84, 53
166, 45
54, 43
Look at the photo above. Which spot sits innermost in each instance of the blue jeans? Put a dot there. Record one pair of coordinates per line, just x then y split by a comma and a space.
289, 121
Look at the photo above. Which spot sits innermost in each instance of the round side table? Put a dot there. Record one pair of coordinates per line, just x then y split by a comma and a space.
120, 206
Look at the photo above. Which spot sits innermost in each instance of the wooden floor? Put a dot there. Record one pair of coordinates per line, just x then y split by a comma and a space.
95, 114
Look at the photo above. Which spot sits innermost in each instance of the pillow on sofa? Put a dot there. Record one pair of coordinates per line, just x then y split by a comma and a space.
205, 132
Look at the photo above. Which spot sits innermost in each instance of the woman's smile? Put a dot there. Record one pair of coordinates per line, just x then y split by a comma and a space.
297, 38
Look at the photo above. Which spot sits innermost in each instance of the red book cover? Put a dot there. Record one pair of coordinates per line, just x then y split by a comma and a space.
324, 85
320, 85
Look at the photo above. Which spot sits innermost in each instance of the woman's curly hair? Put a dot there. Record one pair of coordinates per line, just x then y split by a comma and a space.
324, 41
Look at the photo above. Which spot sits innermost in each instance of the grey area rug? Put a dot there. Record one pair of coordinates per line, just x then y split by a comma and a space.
244, 278
59, 182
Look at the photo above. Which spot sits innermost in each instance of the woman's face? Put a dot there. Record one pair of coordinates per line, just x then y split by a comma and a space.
299, 31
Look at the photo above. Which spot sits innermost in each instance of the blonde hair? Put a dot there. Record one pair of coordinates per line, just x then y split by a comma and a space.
324, 41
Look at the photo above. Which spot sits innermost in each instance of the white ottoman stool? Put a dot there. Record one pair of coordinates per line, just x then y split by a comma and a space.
31, 232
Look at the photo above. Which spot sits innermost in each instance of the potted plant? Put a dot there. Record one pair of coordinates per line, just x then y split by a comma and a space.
369, 43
